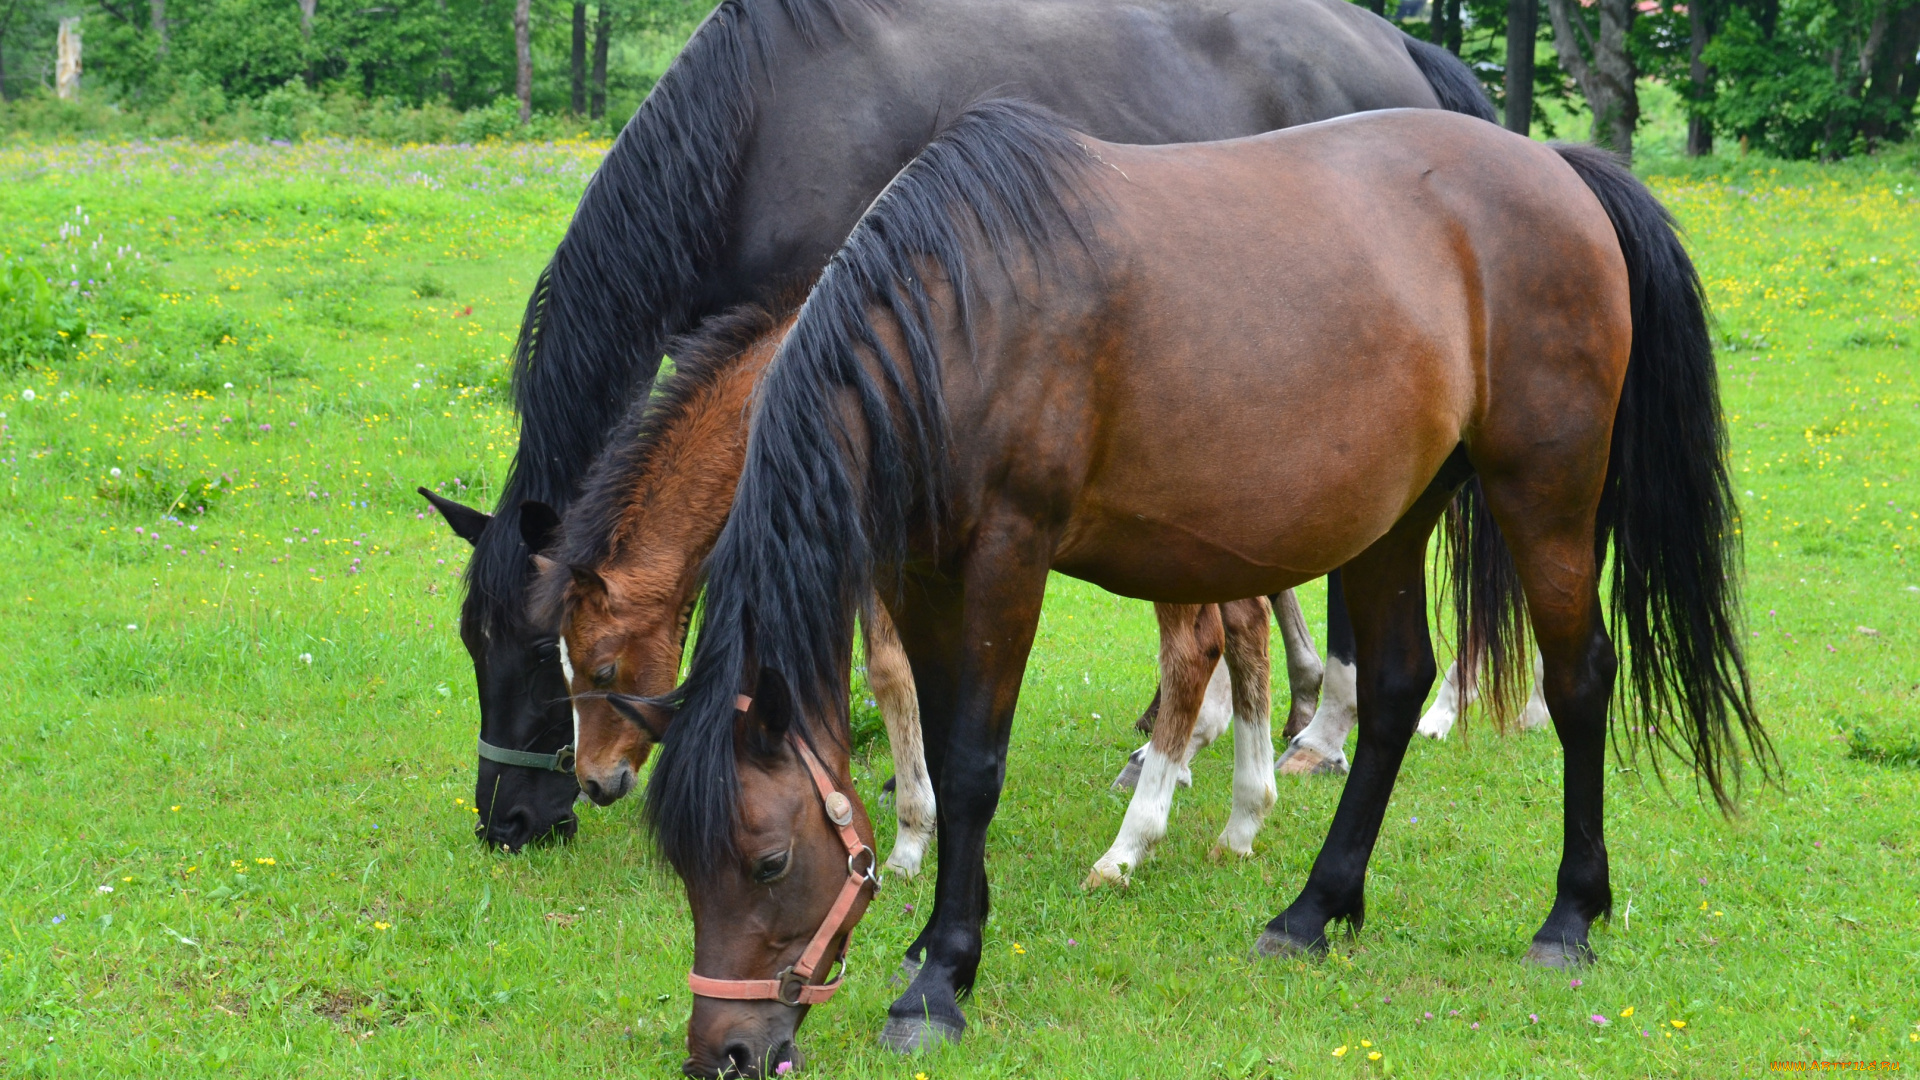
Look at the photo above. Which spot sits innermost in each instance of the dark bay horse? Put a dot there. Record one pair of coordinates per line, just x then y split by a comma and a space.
743, 172
620, 578
1004, 372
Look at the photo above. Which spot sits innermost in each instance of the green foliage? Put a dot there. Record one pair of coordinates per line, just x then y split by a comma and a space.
39, 323
1786, 92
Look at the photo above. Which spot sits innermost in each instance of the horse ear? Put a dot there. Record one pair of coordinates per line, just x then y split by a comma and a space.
771, 710
587, 582
466, 522
653, 719
538, 524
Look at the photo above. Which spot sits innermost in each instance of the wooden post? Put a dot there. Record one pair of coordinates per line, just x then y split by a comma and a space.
67, 66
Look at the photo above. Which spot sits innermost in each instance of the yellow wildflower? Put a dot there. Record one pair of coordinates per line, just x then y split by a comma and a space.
1366, 1042
175, 809
1375, 1056
381, 925
1019, 949
1626, 1012
1678, 1023
1339, 1051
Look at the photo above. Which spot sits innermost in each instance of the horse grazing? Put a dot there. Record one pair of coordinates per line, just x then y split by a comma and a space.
1000, 374
743, 172
619, 579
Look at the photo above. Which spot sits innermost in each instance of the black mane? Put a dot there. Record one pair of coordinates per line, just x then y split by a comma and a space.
653, 213
796, 556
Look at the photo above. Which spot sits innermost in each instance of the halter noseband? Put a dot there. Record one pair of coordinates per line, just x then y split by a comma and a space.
794, 986
560, 760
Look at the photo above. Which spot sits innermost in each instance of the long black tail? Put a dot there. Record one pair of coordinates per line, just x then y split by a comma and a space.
1668, 508
1452, 80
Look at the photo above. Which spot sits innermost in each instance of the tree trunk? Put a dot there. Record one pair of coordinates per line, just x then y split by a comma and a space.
1437, 22
66, 71
446, 52
602, 30
1891, 71
157, 12
1700, 29
579, 58
306, 37
1601, 66
1523, 26
1454, 27
1378, 7
523, 58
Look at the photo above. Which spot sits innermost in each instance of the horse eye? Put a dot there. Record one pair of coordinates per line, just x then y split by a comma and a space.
603, 675
547, 650
771, 869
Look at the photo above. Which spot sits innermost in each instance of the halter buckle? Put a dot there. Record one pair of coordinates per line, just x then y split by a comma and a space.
792, 983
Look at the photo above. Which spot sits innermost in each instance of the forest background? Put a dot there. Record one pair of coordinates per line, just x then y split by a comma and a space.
1788, 78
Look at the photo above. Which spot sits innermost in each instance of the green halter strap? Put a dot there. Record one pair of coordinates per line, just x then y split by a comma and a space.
560, 760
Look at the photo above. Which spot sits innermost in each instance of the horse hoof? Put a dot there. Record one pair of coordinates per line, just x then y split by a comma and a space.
909, 970
1559, 954
1220, 853
1129, 777
910, 1036
1301, 761
1274, 945
1105, 874
908, 869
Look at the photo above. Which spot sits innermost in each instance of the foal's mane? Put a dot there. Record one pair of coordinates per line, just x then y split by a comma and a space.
797, 553
594, 525
653, 214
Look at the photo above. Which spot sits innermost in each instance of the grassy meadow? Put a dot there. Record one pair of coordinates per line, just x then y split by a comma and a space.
236, 723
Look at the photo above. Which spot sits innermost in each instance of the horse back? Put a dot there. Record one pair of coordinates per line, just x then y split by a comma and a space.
1308, 323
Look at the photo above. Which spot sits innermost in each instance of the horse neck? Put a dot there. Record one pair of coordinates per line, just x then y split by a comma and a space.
680, 504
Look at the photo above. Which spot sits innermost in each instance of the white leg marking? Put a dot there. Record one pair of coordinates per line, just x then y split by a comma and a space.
1439, 720
1535, 715
1145, 823
1216, 713
1253, 789
1322, 748
890, 677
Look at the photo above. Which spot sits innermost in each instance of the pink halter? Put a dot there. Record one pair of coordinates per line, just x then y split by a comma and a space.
795, 985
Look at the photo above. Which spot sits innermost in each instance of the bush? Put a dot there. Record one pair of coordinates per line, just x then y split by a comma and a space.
39, 323
496, 121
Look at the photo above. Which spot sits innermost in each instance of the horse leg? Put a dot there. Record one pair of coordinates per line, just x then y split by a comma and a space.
1386, 593
1457, 691
1191, 641
1321, 748
968, 641
891, 679
1304, 670
1216, 712
1536, 715
1554, 552
1245, 623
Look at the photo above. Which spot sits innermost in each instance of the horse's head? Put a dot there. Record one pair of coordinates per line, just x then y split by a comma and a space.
525, 788
772, 915
621, 639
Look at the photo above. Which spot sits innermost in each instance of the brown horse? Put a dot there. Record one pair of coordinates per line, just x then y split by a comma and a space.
619, 579
1010, 368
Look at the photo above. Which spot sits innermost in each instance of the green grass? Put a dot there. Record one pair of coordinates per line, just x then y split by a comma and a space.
266, 754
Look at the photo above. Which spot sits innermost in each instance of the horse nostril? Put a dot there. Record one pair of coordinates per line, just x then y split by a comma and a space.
739, 1061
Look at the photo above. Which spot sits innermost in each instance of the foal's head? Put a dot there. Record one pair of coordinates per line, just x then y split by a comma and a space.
619, 585
772, 913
